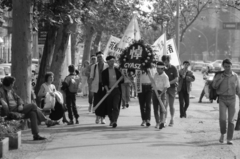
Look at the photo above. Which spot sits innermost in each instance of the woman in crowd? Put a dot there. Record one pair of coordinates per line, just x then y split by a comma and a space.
84, 78
48, 87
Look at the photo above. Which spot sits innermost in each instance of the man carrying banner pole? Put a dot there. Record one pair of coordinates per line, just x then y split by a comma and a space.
109, 77
162, 84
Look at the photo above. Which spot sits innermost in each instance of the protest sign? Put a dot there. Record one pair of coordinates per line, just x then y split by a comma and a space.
112, 47
172, 51
159, 47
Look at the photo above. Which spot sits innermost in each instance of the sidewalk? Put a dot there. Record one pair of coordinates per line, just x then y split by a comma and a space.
195, 137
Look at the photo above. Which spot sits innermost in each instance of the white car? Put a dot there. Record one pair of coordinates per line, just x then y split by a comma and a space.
217, 65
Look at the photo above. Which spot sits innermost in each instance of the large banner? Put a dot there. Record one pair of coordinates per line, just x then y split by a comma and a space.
112, 47
172, 51
131, 33
159, 47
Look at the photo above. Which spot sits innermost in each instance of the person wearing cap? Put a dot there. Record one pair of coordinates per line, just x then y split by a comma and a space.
98, 88
87, 73
162, 84
172, 73
185, 80
109, 77
71, 96
227, 87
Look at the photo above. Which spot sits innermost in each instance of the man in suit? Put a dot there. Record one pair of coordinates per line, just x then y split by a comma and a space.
109, 77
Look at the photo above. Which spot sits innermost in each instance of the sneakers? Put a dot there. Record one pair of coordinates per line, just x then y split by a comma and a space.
143, 123
127, 105
111, 123
97, 120
161, 126
148, 123
70, 122
157, 125
230, 142
171, 123
38, 137
221, 140
103, 121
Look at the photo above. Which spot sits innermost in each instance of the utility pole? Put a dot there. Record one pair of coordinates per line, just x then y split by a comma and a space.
177, 27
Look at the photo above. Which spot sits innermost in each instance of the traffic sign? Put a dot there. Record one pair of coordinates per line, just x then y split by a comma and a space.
231, 25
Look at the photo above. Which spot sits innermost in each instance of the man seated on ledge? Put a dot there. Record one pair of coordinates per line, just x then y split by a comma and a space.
11, 102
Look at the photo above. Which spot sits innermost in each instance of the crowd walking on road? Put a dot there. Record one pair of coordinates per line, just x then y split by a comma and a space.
109, 90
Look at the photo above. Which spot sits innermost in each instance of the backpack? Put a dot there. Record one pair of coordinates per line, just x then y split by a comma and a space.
73, 84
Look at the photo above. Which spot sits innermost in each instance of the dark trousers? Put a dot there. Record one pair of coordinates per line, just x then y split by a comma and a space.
102, 109
158, 112
184, 102
71, 105
35, 115
144, 99
113, 102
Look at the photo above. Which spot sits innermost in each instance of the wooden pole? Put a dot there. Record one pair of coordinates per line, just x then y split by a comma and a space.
156, 92
100, 102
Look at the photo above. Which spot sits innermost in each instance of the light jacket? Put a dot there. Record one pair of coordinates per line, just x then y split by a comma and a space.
189, 79
95, 76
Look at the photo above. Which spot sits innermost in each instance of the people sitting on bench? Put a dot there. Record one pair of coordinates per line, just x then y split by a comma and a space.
11, 102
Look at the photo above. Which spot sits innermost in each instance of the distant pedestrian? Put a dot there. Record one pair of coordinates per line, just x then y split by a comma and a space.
109, 77
98, 88
87, 73
162, 84
186, 78
227, 85
72, 81
84, 78
172, 73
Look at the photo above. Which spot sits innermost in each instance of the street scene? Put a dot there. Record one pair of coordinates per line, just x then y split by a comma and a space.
119, 79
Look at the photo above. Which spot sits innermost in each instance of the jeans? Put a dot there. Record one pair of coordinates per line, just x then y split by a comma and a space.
145, 102
32, 112
171, 93
158, 112
227, 103
113, 102
71, 105
184, 102
125, 93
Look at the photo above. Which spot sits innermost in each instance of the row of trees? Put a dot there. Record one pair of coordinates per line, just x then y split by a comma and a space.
90, 21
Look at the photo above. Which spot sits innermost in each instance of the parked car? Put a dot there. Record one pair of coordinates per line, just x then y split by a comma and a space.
217, 65
197, 66
236, 68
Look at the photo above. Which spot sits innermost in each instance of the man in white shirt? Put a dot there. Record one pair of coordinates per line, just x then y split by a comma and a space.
162, 84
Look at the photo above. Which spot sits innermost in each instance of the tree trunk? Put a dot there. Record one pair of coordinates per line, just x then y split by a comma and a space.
75, 49
88, 43
60, 54
21, 48
47, 56
96, 42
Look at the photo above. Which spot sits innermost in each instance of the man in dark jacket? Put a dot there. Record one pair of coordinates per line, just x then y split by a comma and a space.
109, 77
11, 102
186, 78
